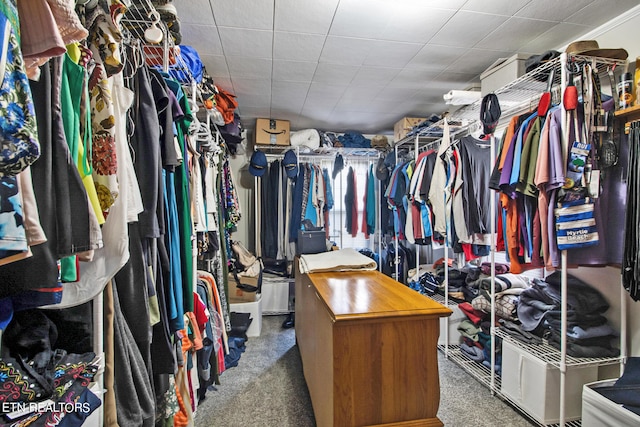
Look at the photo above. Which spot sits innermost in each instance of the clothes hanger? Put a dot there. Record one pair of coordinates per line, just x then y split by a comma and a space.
153, 34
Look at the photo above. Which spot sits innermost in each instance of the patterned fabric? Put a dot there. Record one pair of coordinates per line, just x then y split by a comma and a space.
19, 146
72, 375
105, 35
103, 42
168, 405
12, 234
16, 386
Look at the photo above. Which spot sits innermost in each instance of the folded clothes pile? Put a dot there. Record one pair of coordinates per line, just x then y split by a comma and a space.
589, 334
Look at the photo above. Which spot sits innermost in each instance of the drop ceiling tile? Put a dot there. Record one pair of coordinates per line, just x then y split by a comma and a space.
395, 54
395, 95
255, 101
310, 122
323, 95
289, 92
362, 122
465, 29
359, 77
244, 42
555, 38
305, 16
377, 75
355, 18
448, 4
450, 80
297, 46
252, 87
521, 31
497, 7
413, 77
216, 65
285, 113
359, 93
552, 10
293, 71
345, 50
427, 109
315, 112
195, 12
290, 107
335, 74
203, 38
233, 13
417, 24
475, 61
374, 106
601, 11
246, 113
225, 83
354, 105
436, 57
429, 96
253, 68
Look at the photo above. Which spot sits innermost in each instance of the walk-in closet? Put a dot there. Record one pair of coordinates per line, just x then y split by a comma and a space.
334, 213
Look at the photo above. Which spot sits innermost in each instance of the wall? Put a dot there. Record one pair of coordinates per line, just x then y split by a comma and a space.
623, 31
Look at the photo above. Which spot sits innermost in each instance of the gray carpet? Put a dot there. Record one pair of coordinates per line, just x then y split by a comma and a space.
267, 389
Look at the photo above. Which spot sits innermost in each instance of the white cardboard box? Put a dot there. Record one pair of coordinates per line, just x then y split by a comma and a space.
598, 411
535, 385
255, 309
498, 75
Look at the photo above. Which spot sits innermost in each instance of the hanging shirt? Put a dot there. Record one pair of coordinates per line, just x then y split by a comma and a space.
437, 195
311, 212
475, 157
371, 202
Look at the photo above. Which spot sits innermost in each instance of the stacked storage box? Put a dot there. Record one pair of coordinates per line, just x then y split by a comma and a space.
598, 411
534, 385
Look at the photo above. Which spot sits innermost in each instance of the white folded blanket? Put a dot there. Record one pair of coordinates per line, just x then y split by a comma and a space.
340, 260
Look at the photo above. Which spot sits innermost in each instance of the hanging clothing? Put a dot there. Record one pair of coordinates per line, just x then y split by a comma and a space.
475, 159
57, 187
115, 252
631, 259
135, 402
328, 200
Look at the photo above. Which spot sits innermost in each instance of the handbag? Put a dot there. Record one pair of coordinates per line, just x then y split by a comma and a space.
279, 267
311, 242
575, 223
243, 256
248, 283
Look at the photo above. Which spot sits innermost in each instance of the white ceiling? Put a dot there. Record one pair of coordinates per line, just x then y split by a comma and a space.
361, 65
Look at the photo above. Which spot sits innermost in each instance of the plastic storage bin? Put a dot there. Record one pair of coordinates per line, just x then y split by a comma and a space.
255, 309
598, 411
276, 293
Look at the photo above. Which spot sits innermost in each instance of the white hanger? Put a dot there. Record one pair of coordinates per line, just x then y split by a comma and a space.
154, 34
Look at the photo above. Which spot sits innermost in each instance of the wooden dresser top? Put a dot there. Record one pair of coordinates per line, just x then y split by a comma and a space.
370, 294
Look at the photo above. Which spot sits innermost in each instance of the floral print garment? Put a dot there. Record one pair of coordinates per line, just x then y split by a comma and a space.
19, 146
103, 42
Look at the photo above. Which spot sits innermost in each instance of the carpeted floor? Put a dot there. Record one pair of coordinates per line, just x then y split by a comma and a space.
267, 389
